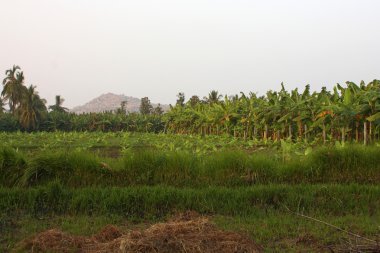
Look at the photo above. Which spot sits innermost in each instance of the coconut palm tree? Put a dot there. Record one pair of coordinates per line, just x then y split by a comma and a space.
57, 107
13, 87
213, 97
2, 109
32, 108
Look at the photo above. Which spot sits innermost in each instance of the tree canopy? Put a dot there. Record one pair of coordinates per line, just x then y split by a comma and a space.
347, 112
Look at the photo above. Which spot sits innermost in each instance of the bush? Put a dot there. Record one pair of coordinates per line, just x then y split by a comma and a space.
12, 165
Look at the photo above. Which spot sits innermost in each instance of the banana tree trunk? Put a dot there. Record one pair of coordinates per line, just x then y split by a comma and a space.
266, 133
343, 135
365, 132
357, 131
299, 125
324, 133
290, 132
246, 134
305, 127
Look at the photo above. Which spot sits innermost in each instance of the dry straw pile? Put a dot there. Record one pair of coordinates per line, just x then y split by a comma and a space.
187, 233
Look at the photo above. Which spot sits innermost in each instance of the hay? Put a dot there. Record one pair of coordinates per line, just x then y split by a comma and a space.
186, 233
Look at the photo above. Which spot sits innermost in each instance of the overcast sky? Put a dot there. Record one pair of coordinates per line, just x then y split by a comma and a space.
82, 48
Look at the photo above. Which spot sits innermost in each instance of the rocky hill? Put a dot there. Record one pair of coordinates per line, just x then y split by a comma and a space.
110, 102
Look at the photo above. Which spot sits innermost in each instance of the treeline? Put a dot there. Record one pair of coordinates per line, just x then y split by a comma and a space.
106, 122
346, 113
28, 112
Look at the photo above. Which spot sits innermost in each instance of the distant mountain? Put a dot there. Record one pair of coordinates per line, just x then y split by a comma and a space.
110, 102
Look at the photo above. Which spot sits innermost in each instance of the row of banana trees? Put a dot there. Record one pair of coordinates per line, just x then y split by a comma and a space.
349, 113
345, 113
88, 122
105, 122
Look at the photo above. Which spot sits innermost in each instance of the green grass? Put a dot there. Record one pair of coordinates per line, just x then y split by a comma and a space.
275, 231
15, 228
12, 166
279, 232
352, 164
80, 182
158, 201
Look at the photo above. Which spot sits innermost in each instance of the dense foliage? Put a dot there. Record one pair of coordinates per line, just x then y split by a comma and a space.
347, 113
152, 166
28, 112
255, 156
351, 112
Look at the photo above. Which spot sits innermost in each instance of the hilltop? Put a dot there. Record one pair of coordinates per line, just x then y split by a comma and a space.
110, 102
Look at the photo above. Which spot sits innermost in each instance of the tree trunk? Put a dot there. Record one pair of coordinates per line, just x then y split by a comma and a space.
290, 132
357, 131
343, 135
305, 127
365, 132
246, 131
299, 125
266, 133
324, 133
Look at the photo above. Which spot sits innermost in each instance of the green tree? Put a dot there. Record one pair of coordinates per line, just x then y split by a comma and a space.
32, 108
213, 97
57, 107
158, 110
13, 87
145, 106
2, 104
181, 99
122, 109
194, 100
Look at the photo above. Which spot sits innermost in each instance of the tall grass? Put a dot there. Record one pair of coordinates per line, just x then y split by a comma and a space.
12, 166
71, 168
352, 164
158, 201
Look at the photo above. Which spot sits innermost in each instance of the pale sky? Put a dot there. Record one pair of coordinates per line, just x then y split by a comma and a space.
80, 49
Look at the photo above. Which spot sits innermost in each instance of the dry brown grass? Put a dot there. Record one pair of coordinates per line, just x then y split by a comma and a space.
188, 233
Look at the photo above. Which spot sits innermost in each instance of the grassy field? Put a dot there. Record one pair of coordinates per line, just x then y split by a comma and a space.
152, 166
79, 182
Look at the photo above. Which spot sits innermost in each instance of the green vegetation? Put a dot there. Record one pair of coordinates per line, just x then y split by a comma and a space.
244, 160
350, 113
159, 201
151, 166
260, 211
